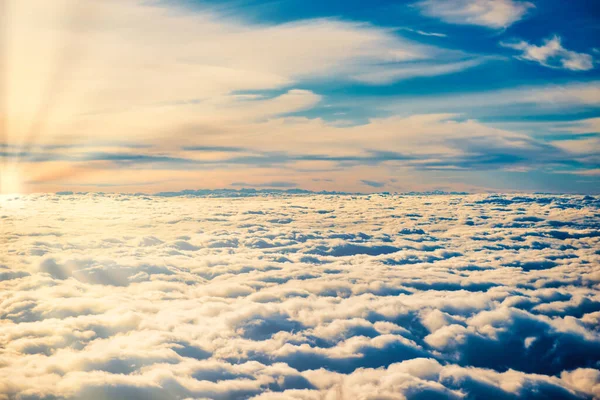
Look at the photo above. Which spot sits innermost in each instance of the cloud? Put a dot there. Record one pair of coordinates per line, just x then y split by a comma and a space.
102, 47
218, 114
420, 142
374, 184
387, 74
589, 125
493, 14
581, 146
283, 295
585, 379
88, 108
274, 184
552, 54
425, 33
588, 172
519, 101
578, 127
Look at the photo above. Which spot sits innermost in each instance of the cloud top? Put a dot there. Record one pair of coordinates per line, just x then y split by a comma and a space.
299, 296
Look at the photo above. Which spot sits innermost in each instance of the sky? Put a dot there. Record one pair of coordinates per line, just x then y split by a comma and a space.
166, 95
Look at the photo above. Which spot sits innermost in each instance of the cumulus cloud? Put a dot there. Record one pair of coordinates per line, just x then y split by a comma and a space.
552, 54
269, 295
489, 13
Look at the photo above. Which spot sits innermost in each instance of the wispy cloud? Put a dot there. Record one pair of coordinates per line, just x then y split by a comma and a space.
157, 88
431, 34
273, 184
386, 74
191, 74
531, 100
425, 143
489, 13
373, 184
552, 54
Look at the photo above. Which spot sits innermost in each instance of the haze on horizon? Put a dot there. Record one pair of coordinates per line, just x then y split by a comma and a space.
165, 95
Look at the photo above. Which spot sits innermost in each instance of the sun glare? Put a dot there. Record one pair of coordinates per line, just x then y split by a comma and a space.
10, 181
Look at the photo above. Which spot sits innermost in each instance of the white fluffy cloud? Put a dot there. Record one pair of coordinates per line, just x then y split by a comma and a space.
552, 54
299, 297
489, 13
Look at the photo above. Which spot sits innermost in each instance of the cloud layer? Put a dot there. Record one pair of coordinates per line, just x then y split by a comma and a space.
299, 297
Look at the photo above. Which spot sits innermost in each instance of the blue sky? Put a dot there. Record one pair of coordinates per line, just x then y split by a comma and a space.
476, 95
